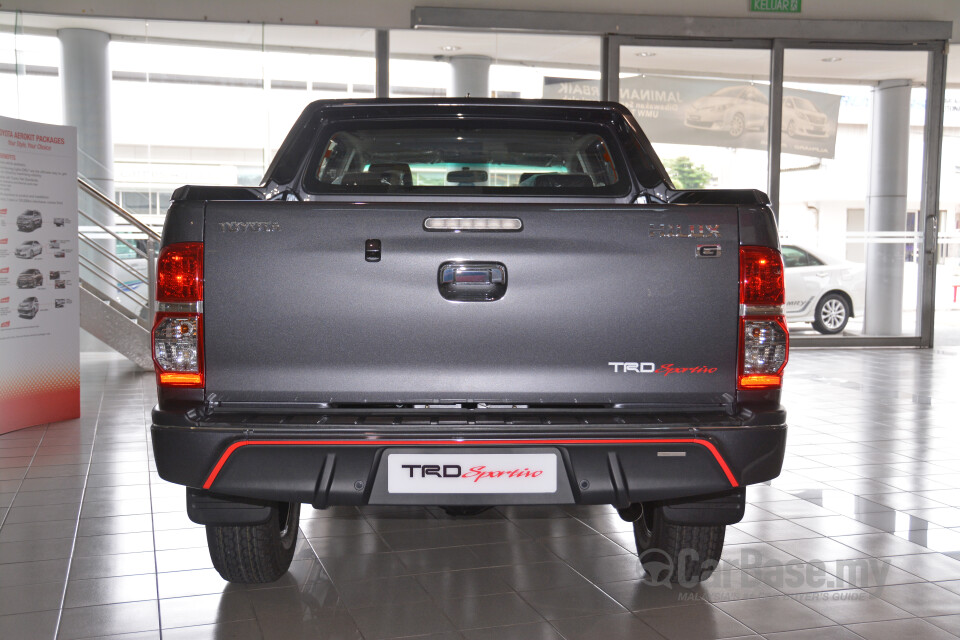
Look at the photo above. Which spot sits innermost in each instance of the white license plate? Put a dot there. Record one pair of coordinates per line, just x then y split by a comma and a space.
472, 473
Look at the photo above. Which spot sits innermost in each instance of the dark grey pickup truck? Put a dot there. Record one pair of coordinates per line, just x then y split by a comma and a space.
468, 303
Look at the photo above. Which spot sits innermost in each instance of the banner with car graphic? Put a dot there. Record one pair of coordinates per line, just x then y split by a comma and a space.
717, 113
39, 281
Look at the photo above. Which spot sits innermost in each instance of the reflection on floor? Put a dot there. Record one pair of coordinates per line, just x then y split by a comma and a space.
859, 538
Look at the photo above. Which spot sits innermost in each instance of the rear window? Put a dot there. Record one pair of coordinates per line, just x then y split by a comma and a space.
468, 158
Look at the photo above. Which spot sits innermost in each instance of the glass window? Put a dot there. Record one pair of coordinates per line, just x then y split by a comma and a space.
469, 158
509, 65
704, 109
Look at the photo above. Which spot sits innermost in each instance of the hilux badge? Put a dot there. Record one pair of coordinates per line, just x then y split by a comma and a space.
684, 230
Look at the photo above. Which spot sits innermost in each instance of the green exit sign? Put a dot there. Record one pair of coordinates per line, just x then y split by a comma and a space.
775, 6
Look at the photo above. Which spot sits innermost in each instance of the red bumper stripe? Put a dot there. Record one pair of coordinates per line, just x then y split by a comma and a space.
471, 443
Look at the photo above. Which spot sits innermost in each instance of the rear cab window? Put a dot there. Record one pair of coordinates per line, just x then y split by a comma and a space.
468, 157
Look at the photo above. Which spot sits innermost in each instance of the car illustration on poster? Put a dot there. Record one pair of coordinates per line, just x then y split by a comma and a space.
802, 119
30, 279
28, 308
29, 220
822, 290
732, 109
28, 249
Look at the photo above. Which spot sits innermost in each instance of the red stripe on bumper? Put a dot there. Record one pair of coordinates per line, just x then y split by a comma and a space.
473, 443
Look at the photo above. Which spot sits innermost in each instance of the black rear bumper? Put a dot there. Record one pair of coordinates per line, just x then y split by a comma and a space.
605, 459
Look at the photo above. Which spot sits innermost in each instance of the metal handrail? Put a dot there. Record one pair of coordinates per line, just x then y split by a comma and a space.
106, 277
142, 277
143, 303
97, 195
106, 229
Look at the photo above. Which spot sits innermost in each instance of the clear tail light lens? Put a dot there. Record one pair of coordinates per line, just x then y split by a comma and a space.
765, 348
178, 324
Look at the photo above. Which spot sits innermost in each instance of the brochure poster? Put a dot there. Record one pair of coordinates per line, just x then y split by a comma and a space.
39, 275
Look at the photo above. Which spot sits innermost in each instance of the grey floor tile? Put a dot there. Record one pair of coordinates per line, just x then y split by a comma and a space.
40, 625
949, 623
620, 625
379, 591
236, 630
700, 621
109, 619
466, 583
23, 573
929, 566
27, 598
85, 593
851, 606
767, 615
920, 599
397, 621
121, 564
530, 631
501, 609
822, 633
569, 602
207, 609
900, 629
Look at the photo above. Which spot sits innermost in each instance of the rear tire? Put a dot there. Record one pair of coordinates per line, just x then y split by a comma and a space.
256, 553
832, 314
676, 553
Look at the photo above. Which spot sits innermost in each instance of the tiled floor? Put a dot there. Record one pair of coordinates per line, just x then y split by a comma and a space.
859, 538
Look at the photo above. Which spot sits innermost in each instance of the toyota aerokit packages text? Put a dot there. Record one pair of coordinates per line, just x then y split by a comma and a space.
468, 303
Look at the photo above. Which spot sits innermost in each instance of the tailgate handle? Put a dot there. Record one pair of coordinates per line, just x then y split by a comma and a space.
472, 281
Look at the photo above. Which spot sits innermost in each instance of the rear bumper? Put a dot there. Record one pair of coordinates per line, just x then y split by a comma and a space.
610, 461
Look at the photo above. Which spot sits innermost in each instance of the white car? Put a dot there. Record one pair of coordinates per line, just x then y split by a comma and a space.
822, 290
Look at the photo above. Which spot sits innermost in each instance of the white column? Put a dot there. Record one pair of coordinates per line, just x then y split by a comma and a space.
887, 207
471, 76
85, 78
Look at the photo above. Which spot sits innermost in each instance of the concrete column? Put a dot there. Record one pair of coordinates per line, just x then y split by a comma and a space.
471, 76
85, 78
887, 207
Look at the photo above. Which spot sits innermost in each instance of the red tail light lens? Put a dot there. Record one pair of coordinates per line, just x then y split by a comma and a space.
761, 276
180, 273
178, 324
764, 339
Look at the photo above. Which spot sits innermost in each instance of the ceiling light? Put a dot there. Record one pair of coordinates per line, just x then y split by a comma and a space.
450, 47
831, 59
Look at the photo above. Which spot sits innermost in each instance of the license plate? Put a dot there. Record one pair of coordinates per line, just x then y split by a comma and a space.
472, 473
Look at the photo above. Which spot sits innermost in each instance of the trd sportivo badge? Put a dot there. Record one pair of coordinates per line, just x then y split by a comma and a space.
684, 231
254, 227
664, 369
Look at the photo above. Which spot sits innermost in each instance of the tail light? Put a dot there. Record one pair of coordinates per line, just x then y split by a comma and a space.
178, 324
764, 340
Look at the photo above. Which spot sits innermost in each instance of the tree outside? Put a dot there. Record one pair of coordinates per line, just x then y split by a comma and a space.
686, 175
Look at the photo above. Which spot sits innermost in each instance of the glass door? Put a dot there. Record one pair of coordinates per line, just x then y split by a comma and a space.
851, 167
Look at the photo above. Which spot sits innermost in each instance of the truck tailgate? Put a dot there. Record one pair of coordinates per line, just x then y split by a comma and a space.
602, 305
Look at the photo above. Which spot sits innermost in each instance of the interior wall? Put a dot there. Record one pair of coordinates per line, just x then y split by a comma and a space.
395, 14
